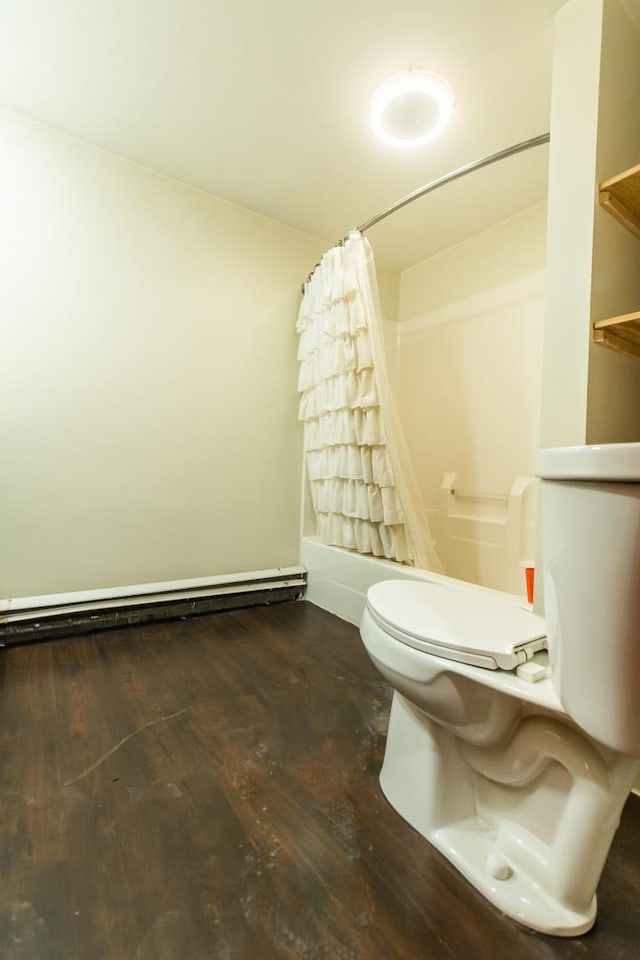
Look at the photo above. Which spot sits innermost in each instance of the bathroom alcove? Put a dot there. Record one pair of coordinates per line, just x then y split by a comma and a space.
588, 271
466, 369
526, 303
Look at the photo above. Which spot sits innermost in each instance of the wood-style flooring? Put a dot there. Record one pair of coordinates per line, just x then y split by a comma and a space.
206, 789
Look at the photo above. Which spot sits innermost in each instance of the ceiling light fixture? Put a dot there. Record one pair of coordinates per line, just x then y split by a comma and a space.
411, 108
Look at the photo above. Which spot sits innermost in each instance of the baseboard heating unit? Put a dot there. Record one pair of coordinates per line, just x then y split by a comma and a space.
64, 614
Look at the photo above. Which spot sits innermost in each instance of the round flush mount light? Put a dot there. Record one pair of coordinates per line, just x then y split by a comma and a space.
411, 108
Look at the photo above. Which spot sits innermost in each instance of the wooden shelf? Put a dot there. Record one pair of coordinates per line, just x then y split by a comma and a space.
620, 333
620, 196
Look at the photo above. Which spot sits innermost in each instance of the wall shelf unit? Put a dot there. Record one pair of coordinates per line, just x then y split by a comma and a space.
620, 196
620, 333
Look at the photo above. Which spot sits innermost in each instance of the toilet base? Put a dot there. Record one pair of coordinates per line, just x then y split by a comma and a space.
433, 782
471, 847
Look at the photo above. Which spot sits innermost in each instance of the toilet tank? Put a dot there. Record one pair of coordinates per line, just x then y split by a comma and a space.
590, 507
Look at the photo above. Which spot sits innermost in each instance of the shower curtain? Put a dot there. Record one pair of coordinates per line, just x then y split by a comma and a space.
363, 492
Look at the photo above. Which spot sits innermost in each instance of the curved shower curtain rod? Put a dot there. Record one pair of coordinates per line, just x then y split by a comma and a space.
440, 182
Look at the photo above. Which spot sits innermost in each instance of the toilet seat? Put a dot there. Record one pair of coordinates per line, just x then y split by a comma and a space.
457, 623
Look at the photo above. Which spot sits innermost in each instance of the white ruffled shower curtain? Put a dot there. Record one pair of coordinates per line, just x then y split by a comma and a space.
363, 493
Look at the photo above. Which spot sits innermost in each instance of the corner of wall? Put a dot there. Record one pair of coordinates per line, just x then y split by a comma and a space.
389, 291
572, 170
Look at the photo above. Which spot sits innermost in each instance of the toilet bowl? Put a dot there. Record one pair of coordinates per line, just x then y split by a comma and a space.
513, 741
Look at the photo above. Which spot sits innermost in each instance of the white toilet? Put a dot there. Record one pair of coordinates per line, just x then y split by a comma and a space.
513, 761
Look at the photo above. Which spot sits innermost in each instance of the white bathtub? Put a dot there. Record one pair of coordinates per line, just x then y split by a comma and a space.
338, 579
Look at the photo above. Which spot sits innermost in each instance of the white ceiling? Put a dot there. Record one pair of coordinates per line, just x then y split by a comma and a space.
265, 102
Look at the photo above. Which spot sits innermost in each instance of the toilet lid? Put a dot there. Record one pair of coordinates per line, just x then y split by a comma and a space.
457, 623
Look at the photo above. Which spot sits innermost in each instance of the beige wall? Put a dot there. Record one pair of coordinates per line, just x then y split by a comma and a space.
147, 374
467, 375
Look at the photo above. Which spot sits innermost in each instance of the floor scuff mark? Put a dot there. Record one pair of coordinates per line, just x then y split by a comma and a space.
121, 743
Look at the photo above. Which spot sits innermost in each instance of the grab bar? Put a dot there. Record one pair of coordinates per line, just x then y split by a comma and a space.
469, 495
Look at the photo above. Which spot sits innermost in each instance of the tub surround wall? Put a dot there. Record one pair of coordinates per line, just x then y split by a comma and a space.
510, 249
467, 375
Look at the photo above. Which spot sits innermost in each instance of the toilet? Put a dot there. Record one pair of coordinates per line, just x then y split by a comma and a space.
513, 740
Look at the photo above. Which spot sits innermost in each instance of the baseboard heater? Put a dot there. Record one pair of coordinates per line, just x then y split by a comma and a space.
61, 615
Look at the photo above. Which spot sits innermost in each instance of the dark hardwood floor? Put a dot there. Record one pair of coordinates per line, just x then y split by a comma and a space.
207, 789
